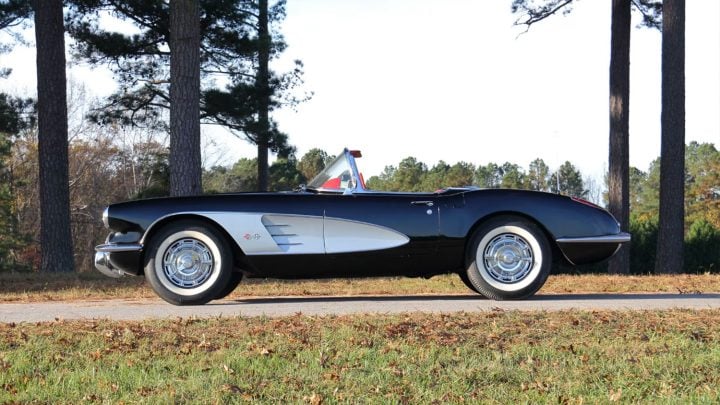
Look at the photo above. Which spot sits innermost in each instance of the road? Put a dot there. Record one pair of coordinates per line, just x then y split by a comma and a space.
283, 306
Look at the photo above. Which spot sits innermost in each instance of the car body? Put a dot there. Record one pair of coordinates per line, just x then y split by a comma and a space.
500, 241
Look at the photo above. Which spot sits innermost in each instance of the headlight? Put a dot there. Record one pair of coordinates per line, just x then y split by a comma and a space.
105, 218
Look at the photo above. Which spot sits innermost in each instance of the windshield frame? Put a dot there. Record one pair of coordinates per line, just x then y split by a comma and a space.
356, 184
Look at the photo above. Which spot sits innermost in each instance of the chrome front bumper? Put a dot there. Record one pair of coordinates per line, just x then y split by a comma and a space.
102, 257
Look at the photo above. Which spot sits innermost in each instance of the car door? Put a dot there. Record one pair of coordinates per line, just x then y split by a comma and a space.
369, 234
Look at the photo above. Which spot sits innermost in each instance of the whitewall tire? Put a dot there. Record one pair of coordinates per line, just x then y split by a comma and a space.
188, 263
508, 258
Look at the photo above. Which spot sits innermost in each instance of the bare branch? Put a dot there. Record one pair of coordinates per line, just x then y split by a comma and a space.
534, 15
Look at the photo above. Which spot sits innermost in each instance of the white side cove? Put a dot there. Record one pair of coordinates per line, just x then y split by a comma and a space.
261, 234
345, 236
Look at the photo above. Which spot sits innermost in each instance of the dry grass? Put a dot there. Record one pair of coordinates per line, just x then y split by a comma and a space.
570, 357
33, 287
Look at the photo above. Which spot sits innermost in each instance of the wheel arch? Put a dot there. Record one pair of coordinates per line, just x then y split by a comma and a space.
555, 249
238, 255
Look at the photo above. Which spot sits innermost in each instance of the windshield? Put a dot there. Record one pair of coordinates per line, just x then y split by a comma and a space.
340, 175
336, 176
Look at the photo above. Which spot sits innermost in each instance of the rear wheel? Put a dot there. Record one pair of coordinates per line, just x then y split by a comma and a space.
188, 263
508, 258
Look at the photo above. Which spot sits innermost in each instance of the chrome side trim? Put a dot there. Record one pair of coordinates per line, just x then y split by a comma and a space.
114, 247
622, 237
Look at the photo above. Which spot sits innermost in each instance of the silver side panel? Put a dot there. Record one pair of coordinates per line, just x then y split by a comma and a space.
345, 236
267, 234
296, 234
247, 230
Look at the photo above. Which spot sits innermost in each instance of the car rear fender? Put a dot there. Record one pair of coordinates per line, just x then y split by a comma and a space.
556, 253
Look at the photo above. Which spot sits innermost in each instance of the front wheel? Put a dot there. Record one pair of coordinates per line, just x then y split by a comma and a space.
508, 258
188, 263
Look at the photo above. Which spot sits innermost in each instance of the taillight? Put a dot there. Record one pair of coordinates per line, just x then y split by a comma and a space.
586, 202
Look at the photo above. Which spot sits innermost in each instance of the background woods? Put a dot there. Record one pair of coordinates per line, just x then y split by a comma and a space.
125, 146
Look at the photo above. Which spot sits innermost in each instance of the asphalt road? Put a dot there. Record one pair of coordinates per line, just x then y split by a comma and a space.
283, 306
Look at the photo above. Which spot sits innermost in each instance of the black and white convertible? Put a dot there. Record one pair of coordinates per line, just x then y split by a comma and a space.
500, 242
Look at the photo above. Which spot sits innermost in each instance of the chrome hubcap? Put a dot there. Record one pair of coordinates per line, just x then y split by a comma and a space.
508, 258
188, 263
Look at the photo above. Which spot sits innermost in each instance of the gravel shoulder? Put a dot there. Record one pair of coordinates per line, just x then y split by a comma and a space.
119, 309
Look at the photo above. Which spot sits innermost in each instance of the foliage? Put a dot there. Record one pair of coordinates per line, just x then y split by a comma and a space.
530, 12
313, 162
493, 357
570, 181
702, 247
702, 186
643, 246
12, 240
242, 176
412, 175
229, 47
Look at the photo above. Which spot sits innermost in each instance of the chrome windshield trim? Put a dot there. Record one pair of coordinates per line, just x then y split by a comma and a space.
623, 237
114, 247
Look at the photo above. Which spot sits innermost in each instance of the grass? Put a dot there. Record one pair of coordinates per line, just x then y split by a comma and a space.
32, 287
496, 357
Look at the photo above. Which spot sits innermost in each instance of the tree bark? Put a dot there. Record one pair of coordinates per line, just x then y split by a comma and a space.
263, 87
672, 150
55, 234
185, 158
619, 156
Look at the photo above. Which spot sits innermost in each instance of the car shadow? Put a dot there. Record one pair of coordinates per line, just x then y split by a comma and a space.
417, 298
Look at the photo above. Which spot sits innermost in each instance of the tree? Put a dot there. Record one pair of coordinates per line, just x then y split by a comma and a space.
409, 175
185, 159
284, 174
537, 177
570, 181
619, 156
230, 50
55, 235
242, 176
11, 122
672, 149
436, 177
312, 163
702, 183
262, 86
460, 174
489, 176
513, 176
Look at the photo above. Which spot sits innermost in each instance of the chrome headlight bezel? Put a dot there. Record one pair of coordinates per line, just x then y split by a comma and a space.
105, 219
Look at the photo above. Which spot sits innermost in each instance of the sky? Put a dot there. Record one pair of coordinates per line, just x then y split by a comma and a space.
455, 80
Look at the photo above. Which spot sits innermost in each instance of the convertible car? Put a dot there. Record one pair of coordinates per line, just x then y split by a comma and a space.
500, 242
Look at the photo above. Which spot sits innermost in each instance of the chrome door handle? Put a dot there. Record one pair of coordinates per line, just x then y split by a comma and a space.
428, 203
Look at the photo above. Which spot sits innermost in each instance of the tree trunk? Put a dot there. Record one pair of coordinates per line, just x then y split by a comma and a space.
263, 86
672, 151
55, 235
185, 158
619, 157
